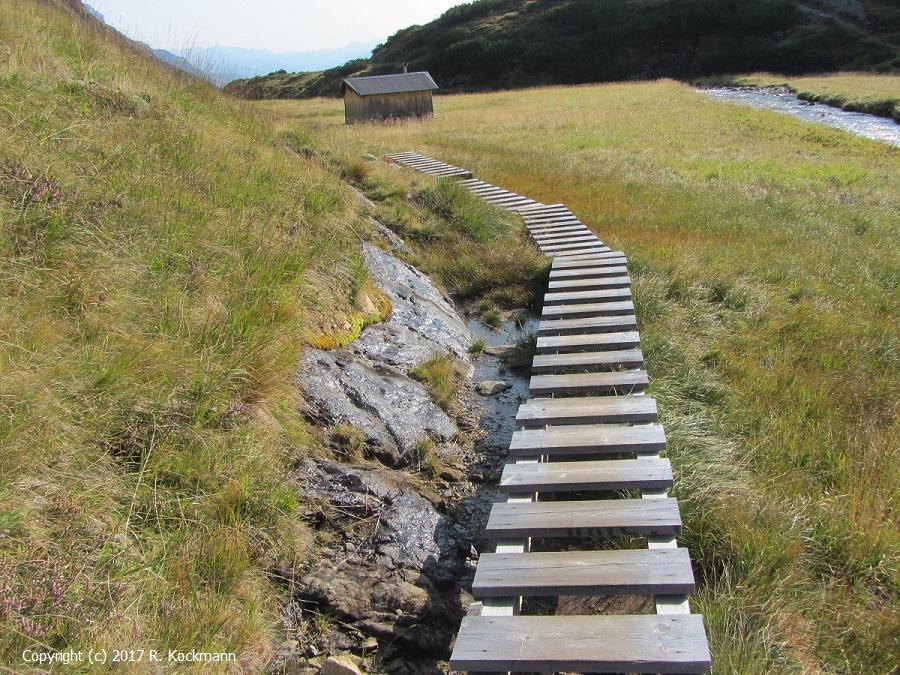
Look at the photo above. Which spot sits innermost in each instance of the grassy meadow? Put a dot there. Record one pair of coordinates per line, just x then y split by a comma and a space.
163, 251
166, 253
764, 257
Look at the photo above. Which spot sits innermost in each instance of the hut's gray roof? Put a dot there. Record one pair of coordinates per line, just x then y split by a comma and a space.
389, 84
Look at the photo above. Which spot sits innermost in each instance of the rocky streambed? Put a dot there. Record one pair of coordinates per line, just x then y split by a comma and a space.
390, 587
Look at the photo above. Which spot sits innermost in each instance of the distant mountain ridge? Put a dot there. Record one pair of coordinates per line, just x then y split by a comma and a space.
501, 44
220, 64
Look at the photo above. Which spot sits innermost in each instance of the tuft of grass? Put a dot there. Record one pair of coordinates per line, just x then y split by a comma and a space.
477, 346
426, 458
371, 306
437, 373
491, 317
522, 353
349, 441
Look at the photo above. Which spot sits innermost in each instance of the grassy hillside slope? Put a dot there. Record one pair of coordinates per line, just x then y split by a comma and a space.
162, 251
763, 253
501, 44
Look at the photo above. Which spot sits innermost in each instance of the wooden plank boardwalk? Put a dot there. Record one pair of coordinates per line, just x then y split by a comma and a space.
585, 462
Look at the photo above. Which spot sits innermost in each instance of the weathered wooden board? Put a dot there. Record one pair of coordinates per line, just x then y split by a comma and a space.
636, 572
546, 210
593, 243
569, 240
583, 297
594, 518
485, 190
549, 217
606, 474
621, 382
593, 324
608, 268
604, 259
540, 228
587, 284
592, 342
588, 260
558, 363
587, 410
561, 233
578, 250
589, 309
591, 644
588, 439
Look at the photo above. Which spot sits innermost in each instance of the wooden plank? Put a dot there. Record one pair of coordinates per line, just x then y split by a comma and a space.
549, 217
583, 297
584, 644
580, 245
546, 228
610, 269
591, 342
593, 324
587, 410
588, 309
588, 439
605, 474
556, 363
419, 164
505, 201
579, 249
565, 243
485, 190
560, 233
604, 259
547, 209
636, 572
593, 518
588, 260
559, 237
589, 284
621, 382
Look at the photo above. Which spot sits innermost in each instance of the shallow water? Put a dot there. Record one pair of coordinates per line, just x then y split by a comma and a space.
499, 417
781, 100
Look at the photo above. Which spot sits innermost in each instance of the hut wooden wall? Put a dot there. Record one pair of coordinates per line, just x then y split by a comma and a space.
379, 106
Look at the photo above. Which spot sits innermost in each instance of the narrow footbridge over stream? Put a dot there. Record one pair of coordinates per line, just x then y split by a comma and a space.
589, 429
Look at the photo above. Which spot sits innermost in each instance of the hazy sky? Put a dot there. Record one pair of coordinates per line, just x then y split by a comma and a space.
278, 25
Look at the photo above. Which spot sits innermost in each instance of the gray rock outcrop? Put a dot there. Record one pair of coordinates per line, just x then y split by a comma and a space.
400, 581
423, 321
392, 410
367, 385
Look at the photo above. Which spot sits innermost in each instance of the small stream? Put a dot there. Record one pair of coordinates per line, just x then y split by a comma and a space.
499, 417
781, 100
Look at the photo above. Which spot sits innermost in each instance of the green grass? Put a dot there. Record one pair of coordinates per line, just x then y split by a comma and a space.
859, 92
763, 256
437, 373
474, 250
161, 255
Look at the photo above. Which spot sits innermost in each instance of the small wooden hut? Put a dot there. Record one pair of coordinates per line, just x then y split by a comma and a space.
386, 96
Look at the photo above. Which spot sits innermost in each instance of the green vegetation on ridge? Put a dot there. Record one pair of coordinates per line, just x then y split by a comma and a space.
502, 44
